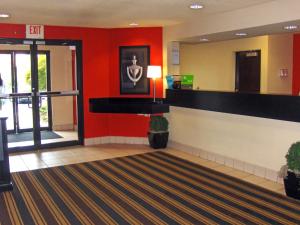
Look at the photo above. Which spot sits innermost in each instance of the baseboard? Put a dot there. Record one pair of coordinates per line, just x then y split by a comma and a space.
63, 127
230, 162
115, 140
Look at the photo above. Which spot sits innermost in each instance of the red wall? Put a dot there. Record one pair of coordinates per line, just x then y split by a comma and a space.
296, 65
119, 124
100, 70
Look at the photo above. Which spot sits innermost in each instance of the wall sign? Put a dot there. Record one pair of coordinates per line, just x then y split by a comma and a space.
35, 31
175, 54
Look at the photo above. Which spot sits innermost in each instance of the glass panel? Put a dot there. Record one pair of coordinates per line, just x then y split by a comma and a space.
23, 75
44, 114
6, 105
43, 86
6, 73
59, 112
64, 121
7, 109
15, 69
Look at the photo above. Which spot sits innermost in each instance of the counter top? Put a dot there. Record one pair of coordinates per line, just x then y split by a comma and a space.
128, 105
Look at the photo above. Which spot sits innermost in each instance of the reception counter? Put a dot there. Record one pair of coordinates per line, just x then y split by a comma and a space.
281, 107
252, 132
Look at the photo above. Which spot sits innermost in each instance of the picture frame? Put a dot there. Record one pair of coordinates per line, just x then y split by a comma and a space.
133, 69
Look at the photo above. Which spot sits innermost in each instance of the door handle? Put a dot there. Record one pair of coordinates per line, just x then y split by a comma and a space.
40, 101
28, 104
58, 93
15, 95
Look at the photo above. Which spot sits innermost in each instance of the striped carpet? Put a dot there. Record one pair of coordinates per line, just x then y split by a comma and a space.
153, 188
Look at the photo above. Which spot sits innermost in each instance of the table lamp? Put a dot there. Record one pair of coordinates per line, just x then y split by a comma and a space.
154, 72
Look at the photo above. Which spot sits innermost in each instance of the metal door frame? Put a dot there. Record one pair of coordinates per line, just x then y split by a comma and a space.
13, 53
33, 43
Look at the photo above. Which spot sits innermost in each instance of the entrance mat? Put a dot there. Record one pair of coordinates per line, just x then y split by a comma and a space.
152, 188
28, 136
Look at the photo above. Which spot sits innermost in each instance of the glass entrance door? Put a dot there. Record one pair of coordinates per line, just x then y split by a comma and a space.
62, 93
39, 93
15, 70
6, 88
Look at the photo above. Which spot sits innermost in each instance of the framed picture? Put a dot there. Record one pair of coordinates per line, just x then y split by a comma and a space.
133, 69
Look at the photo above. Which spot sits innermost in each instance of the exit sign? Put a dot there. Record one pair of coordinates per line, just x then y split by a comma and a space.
35, 31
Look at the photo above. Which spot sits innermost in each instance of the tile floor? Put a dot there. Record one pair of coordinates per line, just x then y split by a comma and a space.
71, 155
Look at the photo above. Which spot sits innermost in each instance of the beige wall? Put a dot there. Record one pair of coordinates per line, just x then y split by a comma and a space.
259, 141
280, 54
213, 64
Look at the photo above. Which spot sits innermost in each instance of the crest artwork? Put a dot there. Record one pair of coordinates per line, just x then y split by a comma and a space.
133, 69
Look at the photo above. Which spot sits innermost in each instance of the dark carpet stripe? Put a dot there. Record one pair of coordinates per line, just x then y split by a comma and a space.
56, 198
83, 202
68, 197
153, 188
178, 189
93, 178
262, 212
19, 204
235, 194
131, 185
146, 203
259, 192
107, 206
157, 189
4, 213
38, 199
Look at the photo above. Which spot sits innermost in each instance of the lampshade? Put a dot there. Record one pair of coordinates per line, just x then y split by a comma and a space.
154, 72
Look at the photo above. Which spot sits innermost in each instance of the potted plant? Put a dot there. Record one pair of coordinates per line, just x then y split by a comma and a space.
158, 134
291, 171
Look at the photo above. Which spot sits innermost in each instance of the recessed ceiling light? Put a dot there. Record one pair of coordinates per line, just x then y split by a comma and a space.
196, 6
204, 39
133, 24
291, 27
4, 15
241, 34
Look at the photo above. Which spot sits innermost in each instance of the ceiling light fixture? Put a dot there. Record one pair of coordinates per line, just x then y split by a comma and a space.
4, 15
204, 39
133, 24
291, 27
241, 34
196, 6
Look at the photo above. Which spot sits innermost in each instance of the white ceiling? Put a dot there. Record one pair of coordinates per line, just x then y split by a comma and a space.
270, 29
114, 13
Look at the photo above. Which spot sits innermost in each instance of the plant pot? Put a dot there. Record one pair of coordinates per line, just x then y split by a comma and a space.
292, 185
158, 140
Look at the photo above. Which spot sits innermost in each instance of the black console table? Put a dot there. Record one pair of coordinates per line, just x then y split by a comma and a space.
5, 180
128, 105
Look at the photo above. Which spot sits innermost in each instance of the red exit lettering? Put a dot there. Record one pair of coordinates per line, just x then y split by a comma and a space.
35, 29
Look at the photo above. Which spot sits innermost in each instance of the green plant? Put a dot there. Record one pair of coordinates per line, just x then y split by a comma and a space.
158, 124
42, 73
293, 158
44, 113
